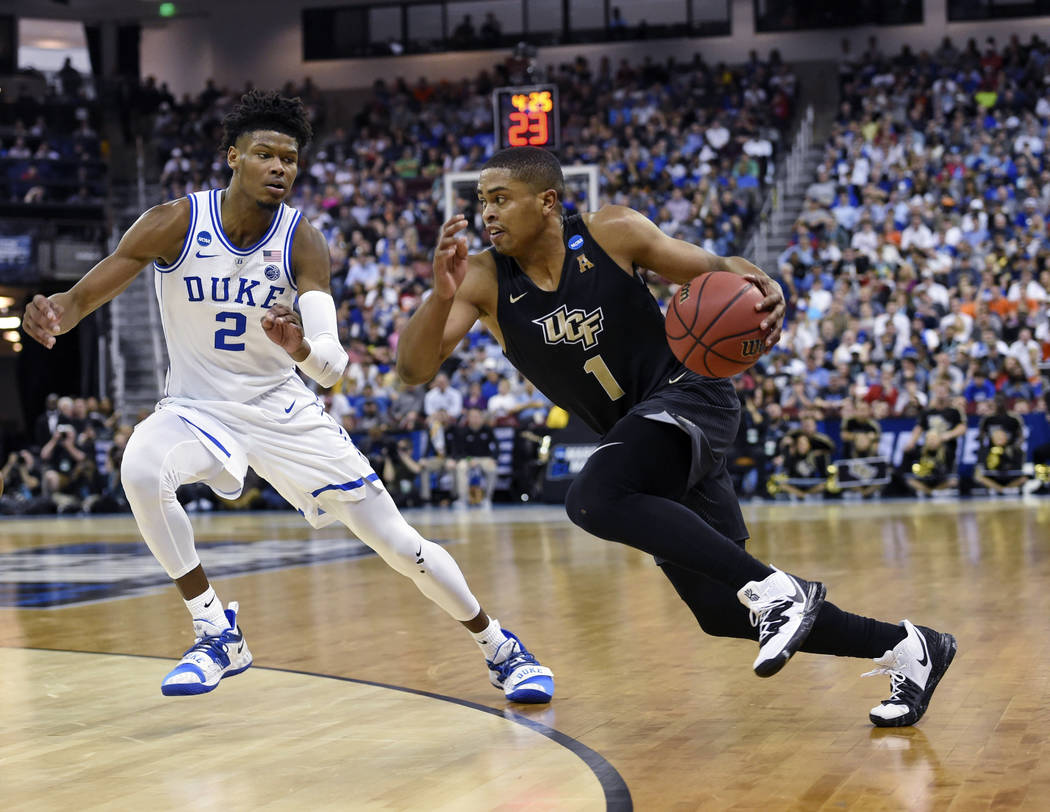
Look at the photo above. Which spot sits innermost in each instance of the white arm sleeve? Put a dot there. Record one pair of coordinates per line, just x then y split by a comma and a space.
327, 358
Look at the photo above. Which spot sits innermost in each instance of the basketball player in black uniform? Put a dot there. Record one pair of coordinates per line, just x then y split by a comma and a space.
565, 300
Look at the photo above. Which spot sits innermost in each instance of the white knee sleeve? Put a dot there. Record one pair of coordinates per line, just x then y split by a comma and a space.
378, 523
161, 455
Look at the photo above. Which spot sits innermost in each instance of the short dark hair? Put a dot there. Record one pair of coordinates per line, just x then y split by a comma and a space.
536, 167
266, 110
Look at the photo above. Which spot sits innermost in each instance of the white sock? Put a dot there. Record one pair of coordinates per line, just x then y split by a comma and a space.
208, 607
492, 640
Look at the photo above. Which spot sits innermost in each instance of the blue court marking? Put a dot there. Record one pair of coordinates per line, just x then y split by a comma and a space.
617, 794
90, 572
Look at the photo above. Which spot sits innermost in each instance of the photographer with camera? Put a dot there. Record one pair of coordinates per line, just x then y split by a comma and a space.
20, 484
60, 456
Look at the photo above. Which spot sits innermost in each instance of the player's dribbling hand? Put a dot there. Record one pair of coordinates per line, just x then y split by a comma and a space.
284, 327
773, 302
43, 320
450, 257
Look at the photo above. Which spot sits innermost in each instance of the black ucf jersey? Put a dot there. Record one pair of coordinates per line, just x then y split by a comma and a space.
596, 346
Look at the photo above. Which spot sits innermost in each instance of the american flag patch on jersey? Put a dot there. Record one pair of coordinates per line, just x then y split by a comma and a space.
271, 256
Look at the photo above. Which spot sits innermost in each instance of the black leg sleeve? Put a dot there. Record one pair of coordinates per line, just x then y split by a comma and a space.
629, 492
632, 491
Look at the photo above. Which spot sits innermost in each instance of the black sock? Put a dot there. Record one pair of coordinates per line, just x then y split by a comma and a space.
845, 634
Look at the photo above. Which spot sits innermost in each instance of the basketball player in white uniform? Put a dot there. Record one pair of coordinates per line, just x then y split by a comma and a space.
230, 267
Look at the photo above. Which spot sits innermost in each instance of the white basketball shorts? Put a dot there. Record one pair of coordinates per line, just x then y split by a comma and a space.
289, 439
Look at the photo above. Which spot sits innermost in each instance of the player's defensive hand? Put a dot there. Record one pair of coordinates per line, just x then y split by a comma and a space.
284, 327
450, 258
43, 320
773, 302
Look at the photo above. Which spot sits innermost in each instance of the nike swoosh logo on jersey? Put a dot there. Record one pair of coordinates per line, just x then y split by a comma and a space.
677, 379
925, 654
289, 409
513, 299
205, 256
607, 445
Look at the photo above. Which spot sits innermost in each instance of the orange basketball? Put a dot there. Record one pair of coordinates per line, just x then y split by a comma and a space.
712, 325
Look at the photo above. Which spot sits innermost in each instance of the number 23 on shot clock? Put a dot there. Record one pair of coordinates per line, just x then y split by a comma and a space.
526, 116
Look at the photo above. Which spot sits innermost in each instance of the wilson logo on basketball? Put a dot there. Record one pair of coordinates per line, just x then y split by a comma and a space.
683, 294
750, 347
571, 326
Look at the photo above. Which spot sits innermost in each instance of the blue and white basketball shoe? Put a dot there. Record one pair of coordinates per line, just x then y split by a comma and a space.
218, 653
517, 672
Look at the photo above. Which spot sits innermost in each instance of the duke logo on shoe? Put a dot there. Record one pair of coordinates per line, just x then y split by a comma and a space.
519, 674
783, 608
217, 654
915, 666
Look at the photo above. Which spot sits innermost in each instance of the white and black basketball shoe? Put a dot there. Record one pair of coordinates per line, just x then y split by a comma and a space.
783, 607
915, 666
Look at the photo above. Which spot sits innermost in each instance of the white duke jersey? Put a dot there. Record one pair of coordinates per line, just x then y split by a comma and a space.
212, 299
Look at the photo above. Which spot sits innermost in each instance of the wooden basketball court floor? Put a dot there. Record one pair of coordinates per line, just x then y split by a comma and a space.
366, 696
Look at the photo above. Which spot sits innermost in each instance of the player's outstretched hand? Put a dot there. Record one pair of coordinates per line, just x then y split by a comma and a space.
283, 327
773, 302
43, 320
450, 258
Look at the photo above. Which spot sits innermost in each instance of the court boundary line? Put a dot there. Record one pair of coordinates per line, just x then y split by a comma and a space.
615, 789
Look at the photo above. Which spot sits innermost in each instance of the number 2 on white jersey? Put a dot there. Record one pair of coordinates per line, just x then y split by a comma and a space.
240, 323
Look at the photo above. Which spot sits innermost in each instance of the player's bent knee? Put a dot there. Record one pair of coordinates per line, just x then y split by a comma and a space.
589, 507
412, 560
138, 474
401, 557
379, 525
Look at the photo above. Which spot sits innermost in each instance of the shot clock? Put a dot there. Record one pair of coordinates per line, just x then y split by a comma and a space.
526, 116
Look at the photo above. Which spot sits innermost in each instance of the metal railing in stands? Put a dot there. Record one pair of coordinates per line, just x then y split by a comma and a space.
787, 181
126, 330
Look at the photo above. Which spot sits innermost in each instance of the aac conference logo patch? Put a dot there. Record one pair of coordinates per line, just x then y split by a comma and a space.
70, 574
203, 238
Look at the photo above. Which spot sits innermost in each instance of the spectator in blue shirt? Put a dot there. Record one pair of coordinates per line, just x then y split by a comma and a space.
978, 387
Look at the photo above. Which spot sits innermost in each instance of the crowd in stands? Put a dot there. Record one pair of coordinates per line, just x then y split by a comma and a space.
50, 149
435, 445
72, 462
692, 145
918, 276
